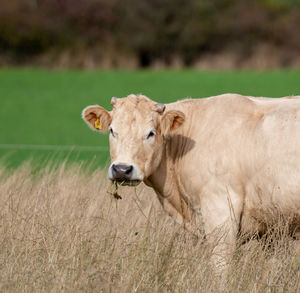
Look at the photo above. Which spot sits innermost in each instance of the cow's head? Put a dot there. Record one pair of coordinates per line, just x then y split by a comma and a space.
137, 127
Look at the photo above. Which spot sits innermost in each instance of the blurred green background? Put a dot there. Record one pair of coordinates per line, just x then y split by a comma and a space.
58, 56
40, 111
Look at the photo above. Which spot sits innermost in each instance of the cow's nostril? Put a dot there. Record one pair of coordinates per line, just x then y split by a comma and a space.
129, 170
114, 167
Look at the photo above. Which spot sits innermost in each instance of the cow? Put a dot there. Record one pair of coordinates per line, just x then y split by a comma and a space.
230, 163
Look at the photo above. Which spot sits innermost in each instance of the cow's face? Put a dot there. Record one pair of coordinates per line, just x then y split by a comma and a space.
137, 127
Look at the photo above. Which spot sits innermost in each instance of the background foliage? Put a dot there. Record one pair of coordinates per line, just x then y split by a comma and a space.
131, 33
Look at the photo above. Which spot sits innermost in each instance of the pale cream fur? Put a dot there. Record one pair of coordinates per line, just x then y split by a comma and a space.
232, 160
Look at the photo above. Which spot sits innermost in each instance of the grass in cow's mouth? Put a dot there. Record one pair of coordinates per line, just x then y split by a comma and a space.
114, 190
115, 186
129, 183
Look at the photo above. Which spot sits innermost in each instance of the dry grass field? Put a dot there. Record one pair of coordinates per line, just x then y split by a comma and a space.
60, 231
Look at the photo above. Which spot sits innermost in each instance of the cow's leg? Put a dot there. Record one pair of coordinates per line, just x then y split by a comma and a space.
221, 219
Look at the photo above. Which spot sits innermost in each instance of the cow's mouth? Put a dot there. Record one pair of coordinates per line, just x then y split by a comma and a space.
125, 182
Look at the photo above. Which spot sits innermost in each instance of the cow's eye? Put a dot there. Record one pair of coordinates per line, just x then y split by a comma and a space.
111, 132
151, 134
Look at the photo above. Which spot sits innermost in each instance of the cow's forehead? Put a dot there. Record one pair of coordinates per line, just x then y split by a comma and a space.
133, 110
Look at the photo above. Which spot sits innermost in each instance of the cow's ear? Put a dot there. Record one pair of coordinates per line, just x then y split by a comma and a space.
170, 121
96, 118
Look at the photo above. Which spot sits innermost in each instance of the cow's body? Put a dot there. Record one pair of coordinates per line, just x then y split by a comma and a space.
233, 164
233, 149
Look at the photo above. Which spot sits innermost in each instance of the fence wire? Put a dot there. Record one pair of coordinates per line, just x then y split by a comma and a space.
54, 147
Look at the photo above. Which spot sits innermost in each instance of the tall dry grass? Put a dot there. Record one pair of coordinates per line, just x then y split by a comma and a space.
60, 231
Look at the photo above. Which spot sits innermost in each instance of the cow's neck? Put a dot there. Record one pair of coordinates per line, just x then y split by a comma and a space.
166, 180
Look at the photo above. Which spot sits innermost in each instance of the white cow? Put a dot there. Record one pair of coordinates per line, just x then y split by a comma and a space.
230, 162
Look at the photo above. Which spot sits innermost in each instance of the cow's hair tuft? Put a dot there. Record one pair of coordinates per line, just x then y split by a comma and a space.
160, 108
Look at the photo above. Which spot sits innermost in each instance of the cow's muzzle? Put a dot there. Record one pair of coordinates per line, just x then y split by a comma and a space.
124, 174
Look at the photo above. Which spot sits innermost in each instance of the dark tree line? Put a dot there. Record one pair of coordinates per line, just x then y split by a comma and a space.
147, 29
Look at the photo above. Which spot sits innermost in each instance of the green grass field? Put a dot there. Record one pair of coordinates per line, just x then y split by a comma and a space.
39, 107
